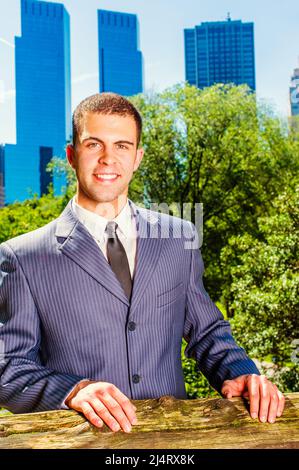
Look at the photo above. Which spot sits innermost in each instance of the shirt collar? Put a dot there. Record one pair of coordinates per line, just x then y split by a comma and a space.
125, 220
96, 224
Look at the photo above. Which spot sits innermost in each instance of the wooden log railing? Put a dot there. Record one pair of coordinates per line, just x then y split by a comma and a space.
165, 423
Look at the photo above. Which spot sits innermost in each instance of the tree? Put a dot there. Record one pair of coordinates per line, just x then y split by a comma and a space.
215, 146
22, 217
263, 295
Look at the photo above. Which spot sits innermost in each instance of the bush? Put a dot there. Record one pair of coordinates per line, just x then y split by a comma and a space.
263, 295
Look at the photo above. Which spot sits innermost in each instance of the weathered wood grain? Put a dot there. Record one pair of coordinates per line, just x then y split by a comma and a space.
165, 423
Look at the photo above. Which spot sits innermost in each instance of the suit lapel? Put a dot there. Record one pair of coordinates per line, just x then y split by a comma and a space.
149, 245
76, 243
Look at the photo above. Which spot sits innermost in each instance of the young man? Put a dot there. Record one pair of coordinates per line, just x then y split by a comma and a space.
95, 306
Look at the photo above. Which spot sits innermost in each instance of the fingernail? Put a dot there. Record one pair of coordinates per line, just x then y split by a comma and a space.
127, 428
271, 420
116, 427
263, 419
254, 415
278, 415
134, 421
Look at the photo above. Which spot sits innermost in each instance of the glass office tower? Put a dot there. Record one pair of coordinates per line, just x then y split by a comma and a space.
220, 52
120, 60
43, 100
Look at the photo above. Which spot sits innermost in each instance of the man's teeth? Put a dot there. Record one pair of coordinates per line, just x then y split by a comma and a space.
107, 177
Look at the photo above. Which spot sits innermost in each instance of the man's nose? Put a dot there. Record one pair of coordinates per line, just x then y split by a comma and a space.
107, 157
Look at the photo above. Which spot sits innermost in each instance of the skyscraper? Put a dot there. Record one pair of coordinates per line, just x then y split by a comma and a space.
294, 93
43, 99
220, 52
120, 60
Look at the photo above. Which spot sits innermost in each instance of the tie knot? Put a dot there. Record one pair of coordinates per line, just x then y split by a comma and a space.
111, 228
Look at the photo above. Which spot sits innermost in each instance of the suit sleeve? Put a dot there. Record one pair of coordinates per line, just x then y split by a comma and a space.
209, 337
25, 384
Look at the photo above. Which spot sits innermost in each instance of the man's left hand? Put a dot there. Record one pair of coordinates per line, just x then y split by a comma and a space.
266, 401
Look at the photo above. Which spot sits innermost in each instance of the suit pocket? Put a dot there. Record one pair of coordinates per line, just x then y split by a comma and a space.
171, 295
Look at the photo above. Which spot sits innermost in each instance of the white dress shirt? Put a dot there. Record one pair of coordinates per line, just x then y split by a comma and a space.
96, 225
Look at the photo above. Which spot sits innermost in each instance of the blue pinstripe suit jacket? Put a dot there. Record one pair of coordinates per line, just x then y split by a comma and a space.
65, 316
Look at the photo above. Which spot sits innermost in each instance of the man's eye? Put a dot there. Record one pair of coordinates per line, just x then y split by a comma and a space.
92, 145
122, 147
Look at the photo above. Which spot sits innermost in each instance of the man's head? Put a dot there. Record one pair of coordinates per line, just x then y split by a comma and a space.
105, 153
105, 103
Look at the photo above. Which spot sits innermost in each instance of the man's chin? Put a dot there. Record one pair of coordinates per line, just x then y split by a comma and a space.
94, 196
110, 198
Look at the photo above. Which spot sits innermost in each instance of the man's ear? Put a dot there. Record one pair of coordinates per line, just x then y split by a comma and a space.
139, 156
70, 154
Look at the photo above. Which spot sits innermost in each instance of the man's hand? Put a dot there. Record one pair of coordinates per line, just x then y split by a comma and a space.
103, 402
266, 401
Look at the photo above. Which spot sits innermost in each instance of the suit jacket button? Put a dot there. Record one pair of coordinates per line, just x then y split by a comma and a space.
136, 379
132, 326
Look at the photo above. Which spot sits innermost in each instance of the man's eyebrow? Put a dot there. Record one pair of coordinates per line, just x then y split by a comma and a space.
92, 138
99, 140
124, 142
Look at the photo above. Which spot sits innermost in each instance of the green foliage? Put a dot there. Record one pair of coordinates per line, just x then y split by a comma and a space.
263, 292
60, 166
285, 377
31, 214
22, 217
288, 380
215, 146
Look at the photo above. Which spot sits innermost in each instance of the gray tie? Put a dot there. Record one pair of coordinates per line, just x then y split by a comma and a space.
117, 258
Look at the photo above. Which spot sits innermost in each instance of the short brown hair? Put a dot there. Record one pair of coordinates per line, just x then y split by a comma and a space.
105, 103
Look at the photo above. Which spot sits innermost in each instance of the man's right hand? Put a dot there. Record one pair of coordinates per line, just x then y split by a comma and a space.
103, 402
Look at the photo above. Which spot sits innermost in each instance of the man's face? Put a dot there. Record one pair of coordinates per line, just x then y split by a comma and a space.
105, 157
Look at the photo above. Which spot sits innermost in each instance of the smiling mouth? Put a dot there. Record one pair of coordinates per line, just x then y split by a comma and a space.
106, 177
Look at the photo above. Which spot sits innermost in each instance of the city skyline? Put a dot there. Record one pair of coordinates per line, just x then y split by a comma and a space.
276, 35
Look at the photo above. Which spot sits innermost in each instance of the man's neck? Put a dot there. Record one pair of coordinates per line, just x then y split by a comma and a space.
109, 210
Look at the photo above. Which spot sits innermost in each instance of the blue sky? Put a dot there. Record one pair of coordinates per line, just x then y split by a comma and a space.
161, 41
